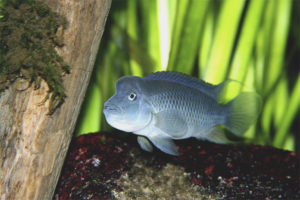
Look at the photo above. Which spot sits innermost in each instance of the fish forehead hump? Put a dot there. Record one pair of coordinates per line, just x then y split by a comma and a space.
128, 83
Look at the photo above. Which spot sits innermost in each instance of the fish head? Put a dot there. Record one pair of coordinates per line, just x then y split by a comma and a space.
128, 109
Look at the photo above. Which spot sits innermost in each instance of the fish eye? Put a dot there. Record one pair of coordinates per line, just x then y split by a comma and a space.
132, 96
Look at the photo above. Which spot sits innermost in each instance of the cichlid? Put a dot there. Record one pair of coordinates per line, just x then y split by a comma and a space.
167, 106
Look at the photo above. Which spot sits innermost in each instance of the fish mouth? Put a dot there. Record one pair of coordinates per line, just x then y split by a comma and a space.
111, 109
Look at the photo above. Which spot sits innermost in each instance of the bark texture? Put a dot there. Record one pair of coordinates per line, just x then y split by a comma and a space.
33, 145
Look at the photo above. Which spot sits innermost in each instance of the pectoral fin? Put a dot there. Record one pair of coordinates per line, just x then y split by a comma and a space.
165, 144
171, 123
144, 143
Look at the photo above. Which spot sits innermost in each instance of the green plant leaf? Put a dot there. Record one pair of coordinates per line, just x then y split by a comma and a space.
182, 59
292, 109
132, 31
226, 30
246, 40
278, 43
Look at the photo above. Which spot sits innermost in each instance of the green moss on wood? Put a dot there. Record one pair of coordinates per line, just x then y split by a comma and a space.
28, 37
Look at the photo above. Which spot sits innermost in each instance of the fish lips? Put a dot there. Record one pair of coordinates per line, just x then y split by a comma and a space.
114, 117
110, 109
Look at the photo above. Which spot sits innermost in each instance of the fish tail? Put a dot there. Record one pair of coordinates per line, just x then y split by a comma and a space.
242, 111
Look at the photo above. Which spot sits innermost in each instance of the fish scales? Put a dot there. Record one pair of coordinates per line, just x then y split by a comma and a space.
199, 110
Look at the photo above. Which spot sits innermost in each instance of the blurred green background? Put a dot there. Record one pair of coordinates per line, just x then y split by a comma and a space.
255, 42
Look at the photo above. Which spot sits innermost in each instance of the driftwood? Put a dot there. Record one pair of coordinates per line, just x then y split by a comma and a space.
33, 145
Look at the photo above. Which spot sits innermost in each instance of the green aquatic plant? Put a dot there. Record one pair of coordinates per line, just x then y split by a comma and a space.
28, 37
253, 42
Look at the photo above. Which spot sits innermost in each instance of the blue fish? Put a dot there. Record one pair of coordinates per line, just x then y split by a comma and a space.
167, 106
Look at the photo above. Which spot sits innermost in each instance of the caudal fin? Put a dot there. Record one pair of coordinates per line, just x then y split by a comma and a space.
242, 112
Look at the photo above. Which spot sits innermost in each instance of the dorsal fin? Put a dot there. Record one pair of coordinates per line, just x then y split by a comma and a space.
211, 90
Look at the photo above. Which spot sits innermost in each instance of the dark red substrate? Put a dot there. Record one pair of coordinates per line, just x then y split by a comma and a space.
95, 161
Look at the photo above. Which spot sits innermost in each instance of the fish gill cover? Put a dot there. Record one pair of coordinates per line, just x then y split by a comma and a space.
28, 36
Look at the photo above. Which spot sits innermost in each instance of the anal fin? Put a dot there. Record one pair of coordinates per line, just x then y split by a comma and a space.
217, 135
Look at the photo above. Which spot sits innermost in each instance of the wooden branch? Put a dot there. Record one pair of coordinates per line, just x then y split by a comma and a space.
33, 145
